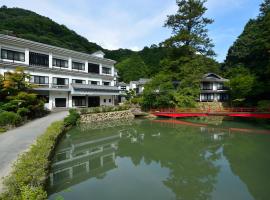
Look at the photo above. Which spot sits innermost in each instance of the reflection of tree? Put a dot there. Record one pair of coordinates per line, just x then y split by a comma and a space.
182, 150
250, 160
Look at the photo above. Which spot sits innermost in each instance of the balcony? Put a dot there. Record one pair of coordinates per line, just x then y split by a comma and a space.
50, 87
96, 89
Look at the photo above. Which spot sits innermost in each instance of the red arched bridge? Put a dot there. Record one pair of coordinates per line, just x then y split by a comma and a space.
195, 112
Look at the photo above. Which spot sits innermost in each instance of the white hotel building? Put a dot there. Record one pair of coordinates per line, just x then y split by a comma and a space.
65, 78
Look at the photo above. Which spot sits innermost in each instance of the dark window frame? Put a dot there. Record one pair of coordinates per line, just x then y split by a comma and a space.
78, 66
38, 59
93, 68
106, 70
12, 55
57, 62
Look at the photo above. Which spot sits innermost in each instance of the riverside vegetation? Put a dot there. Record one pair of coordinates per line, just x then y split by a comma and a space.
27, 180
17, 101
177, 64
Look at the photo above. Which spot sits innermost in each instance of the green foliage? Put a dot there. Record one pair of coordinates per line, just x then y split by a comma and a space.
103, 109
29, 25
33, 193
251, 50
23, 112
264, 105
241, 84
29, 174
189, 28
132, 68
10, 119
72, 119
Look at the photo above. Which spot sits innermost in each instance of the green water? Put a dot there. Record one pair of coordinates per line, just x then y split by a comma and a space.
165, 159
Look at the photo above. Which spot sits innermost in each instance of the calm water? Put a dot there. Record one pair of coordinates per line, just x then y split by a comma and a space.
163, 159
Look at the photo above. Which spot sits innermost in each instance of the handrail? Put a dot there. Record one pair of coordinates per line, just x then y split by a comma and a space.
209, 110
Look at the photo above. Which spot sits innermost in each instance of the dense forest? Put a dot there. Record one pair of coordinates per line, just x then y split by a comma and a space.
176, 64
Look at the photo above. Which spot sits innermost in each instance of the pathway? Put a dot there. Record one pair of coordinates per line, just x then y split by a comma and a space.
18, 140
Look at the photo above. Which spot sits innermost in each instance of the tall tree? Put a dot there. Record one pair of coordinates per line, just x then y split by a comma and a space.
189, 28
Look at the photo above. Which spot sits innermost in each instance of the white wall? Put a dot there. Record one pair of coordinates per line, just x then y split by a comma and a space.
102, 103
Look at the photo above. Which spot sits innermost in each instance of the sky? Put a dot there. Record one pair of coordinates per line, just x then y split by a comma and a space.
135, 24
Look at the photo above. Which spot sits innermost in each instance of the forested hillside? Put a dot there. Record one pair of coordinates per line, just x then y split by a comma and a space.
248, 60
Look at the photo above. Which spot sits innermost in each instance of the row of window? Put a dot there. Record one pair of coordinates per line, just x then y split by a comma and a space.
210, 97
38, 59
210, 86
43, 80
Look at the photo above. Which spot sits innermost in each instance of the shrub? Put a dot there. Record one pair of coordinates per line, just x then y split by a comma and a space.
10, 118
72, 119
23, 112
264, 105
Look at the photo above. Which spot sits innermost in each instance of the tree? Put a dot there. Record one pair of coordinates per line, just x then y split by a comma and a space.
241, 84
265, 7
189, 28
15, 82
132, 69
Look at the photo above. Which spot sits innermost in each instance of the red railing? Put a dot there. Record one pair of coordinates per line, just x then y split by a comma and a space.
209, 110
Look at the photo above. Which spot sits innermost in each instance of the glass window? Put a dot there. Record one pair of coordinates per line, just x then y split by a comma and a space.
39, 79
78, 81
94, 82
106, 83
93, 68
12, 55
106, 70
60, 81
38, 59
78, 101
60, 63
78, 66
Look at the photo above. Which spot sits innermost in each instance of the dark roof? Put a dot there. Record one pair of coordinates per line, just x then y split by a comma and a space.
212, 77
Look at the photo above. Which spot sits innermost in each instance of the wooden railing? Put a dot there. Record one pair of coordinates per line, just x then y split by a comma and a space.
208, 110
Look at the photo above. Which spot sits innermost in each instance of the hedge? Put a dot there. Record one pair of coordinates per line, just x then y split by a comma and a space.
10, 119
29, 175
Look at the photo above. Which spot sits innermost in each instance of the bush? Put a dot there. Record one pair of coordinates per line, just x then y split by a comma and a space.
264, 105
10, 118
23, 112
72, 119
103, 109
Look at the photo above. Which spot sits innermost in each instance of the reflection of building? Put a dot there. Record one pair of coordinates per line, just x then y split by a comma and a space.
76, 161
64, 78
213, 89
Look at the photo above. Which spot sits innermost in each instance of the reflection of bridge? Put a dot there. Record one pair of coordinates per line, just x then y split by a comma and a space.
193, 112
213, 129
76, 161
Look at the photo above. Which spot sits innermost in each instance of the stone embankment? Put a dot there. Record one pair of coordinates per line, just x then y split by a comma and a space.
106, 116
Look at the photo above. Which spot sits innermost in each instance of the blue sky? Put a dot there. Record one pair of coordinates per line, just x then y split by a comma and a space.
134, 24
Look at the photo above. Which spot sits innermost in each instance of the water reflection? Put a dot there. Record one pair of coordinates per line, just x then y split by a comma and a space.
162, 159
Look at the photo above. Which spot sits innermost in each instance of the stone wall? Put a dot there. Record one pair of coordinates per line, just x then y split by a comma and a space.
106, 116
212, 105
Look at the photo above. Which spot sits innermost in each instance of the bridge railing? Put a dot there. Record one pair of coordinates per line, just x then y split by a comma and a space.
208, 110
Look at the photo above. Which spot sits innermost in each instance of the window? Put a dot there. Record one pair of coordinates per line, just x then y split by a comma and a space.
38, 59
78, 81
207, 97
78, 101
94, 82
110, 101
93, 68
60, 63
106, 83
123, 87
60, 81
220, 86
207, 86
106, 70
104, 100
78, 66
39, 80
12, 55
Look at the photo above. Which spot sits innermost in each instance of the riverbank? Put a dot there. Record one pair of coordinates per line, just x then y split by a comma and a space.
27, 176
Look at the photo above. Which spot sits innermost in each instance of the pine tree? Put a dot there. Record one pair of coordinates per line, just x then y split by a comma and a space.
265, 7
189, 28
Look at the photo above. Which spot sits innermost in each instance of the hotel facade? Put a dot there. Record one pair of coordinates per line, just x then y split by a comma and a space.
64, 78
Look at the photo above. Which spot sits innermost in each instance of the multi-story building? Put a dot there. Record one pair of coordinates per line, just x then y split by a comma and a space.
213, 89
63, 77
